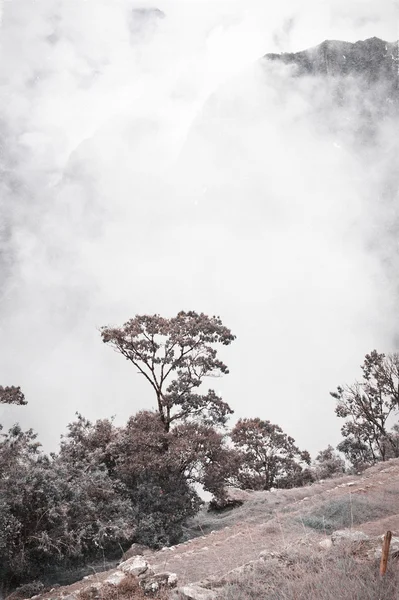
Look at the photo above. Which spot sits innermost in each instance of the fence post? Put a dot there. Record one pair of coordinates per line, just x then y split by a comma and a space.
385, 552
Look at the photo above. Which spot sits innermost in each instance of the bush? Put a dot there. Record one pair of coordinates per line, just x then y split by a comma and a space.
161, 506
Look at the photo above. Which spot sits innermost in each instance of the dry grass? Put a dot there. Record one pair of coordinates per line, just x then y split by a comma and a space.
128, 589
349, 511
311, 576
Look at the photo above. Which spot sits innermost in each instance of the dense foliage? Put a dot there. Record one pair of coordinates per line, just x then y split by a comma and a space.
269, 457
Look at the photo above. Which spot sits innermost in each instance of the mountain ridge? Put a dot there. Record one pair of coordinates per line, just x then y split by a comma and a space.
372, 58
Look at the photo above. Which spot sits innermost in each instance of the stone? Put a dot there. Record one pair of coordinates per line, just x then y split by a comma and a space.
194, 592
115, 578
345, 535
151, 584
135, 550
326, 544
393, 548
265, 554
93, 590
135, 566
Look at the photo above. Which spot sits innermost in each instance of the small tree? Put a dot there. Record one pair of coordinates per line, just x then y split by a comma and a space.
367, 407
175, 356
328, 464
269, 457
356, 452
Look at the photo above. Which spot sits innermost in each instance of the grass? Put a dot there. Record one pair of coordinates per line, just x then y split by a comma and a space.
349, 511
259, 508
314, 576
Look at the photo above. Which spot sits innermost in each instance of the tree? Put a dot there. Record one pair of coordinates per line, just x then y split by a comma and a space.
11, 395
269, 457
328, 464
367, 407
175, 356
89, 445
196, 454
356, 452
159, 483
52, 513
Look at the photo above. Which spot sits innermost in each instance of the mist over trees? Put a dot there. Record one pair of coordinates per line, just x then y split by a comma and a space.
109, 486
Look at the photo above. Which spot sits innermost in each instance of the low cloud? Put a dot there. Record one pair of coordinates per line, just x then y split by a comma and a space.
161, 167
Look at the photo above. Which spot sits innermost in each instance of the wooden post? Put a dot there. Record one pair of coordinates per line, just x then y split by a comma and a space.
385, 552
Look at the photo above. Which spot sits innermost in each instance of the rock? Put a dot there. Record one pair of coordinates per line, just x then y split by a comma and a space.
151, 584
172, 580
93, 591
135, 550
242, 570
393, 548
345, 535
194, 592
265, 554
326, 544
135, 566
115, 578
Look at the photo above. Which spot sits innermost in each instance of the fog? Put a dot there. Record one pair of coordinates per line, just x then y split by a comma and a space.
150, 164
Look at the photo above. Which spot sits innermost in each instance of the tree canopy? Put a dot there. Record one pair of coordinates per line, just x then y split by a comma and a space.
175, 356
11, 395
269, 457
367, 407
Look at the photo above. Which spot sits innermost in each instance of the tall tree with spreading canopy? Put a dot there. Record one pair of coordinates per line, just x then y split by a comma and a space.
269, 457
175, 356
367, 407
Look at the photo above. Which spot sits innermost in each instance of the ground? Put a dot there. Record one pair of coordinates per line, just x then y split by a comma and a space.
277, 522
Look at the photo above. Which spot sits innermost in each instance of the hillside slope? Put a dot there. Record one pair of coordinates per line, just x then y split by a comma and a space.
273, 522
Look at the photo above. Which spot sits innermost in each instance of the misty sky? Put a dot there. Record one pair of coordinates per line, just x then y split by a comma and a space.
152, 166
